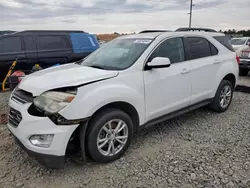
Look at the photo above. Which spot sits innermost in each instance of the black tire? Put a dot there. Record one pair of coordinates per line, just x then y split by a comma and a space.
215, 105
96, 124
243, 72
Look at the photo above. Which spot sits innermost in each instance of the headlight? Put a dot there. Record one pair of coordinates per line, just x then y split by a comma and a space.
53, 101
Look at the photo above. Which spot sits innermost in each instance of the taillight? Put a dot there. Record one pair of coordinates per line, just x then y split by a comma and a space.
238, 59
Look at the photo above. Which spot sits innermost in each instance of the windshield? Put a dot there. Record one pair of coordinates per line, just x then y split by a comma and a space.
118, 54
238, 41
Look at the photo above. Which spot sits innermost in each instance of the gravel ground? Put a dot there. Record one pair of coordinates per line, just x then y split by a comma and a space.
4, 97
244, 80
198, 149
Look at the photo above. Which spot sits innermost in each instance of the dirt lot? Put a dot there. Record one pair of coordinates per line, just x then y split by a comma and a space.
199, 149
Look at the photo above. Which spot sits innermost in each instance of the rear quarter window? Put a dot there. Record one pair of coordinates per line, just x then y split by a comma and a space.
50, 43
214, 50
225, 41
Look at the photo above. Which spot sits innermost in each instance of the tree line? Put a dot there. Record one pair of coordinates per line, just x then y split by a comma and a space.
244, 33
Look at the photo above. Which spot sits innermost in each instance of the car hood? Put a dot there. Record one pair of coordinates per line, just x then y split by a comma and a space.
63, 76
239, 48
246, 49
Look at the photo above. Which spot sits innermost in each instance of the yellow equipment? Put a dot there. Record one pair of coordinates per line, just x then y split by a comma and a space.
9, 73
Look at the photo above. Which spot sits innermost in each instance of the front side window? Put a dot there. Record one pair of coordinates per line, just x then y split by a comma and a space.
118, 54
240, 41
10, 45
172, 49
198, 47
50, 43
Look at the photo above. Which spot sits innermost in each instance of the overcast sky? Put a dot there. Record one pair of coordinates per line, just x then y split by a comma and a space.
106, 16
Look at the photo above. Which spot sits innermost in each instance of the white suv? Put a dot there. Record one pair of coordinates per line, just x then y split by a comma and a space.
132, 81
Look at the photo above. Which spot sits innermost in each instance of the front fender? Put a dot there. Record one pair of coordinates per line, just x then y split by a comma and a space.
92, 97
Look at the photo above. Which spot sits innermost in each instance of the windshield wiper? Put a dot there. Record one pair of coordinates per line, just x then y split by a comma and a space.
79, 62
103, 67
97, 66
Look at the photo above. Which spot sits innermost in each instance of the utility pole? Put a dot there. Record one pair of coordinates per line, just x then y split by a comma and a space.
190, 13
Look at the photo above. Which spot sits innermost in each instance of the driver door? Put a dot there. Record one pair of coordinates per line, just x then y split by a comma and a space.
168, 89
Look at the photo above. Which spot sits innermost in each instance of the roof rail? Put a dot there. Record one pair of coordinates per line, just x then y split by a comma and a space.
153, 31
195, 29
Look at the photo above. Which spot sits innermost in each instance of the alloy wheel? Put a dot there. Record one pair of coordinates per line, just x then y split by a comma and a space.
225, 96
112, 137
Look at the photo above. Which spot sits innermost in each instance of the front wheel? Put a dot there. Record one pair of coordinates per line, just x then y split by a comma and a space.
223, 97
109, 135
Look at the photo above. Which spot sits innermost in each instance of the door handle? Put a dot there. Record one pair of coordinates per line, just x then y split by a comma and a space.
217, 61
185, 71
20, 57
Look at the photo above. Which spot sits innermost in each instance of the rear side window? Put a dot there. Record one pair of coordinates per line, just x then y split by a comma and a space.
29, 43
224, 40
198, 47
172, 49
50, 43
10, 45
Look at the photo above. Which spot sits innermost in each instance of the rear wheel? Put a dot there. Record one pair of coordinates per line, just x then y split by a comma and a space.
109, 135
223, 97
243, 72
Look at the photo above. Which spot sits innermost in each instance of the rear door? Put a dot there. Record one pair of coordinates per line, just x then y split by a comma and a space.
11, 48
52, 49
31, 53
205, 62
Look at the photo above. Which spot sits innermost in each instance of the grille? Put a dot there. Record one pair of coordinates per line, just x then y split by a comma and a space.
15, 117
22, 96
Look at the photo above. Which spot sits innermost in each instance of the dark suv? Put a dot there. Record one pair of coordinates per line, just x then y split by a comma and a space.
45, 48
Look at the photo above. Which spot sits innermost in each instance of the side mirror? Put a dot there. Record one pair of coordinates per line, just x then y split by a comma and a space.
159, 62
248, 43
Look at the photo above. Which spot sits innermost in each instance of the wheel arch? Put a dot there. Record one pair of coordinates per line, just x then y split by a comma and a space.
83, 128
230, 77
124, 106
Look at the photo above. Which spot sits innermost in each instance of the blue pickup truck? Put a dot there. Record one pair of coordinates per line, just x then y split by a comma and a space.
43, 47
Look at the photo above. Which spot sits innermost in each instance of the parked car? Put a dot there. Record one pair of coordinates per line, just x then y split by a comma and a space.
244, 62
240, 44
45, 48
131, 82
